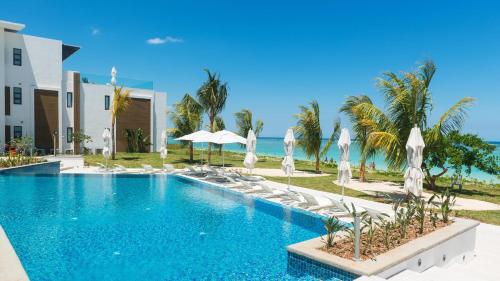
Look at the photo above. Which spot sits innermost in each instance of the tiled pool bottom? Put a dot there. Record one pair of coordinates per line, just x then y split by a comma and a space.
147, 228
300, 266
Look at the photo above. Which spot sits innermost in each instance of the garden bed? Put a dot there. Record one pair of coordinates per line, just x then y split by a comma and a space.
381, 243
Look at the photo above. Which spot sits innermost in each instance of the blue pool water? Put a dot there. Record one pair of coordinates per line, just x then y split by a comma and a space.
72, 227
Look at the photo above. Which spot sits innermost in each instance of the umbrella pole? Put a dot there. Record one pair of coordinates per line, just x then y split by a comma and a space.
223, 158
288, 181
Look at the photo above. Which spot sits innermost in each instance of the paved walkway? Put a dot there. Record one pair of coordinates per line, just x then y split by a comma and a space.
396, 190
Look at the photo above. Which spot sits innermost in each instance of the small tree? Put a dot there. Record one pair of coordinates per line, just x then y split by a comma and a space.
121, 100
461, 152
80, 138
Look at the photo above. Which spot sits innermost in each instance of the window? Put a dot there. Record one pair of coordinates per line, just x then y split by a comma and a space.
106, 102
18, 132
17, 58
18, 95
69, 134
69, 99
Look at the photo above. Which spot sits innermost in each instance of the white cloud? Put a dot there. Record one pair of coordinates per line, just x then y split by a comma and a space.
95, 31
166, 40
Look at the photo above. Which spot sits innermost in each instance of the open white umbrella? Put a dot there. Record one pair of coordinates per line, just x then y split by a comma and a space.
414, 175
287, 165
200, 136
106, 150
344, 169
250, 157
225, 137
163, 146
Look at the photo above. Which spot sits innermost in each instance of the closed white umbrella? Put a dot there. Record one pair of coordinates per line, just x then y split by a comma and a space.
225, 137
200, 136
344, 169
250, 157
163, 146
106, 150
287, 165
414, 153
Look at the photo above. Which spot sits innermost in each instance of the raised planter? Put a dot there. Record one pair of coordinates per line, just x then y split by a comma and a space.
50, 168
455, 242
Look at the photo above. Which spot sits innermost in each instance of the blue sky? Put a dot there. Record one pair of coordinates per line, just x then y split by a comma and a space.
277, 55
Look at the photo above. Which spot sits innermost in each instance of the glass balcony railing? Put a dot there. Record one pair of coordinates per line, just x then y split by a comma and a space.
88, 78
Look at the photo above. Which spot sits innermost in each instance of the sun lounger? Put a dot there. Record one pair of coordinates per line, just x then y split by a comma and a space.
169, 168
147, 169
119, 169
194, 172
313, 203
101, 167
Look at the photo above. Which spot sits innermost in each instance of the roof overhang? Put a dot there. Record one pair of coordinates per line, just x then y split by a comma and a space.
11, 26
68, 50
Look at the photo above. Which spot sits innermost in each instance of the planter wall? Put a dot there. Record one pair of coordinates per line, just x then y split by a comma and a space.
48, 168
453, 243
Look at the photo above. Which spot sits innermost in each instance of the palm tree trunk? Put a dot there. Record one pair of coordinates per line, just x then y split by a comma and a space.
113, 144
190, 152
317, 163
362, 170
209, 153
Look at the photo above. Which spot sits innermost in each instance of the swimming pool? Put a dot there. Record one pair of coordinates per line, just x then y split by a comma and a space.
126, 227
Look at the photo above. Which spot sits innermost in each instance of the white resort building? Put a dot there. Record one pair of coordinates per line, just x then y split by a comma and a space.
41, 100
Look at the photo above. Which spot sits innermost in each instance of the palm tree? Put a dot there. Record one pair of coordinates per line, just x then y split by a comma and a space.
212, 96
244, 123
121, 100
361, 131
310, 135
187, 119
409, 103
219, 126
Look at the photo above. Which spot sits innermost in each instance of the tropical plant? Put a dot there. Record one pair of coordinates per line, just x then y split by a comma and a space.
187, 119
445, 203
244, 123
409, 103
370, 226
121, 100
387, 227
212, 96
80, 137
332, 226
420, 210
462, 152
136, 141
361, 131
310, 134
23, 145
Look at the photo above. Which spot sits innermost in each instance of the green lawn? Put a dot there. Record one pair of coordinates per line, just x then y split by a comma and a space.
179, 157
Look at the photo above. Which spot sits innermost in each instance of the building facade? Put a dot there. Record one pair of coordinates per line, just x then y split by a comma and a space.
40, 100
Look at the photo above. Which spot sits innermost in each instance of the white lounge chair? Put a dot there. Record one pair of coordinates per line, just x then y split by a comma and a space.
194, 172
169, 168
147, 169
101, 167
119, 169
314, 203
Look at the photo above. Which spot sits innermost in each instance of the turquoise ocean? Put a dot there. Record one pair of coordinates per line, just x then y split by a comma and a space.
270, 146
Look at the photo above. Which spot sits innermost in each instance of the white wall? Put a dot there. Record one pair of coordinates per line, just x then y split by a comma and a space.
2, 89
95, 119
67, 113
41, 69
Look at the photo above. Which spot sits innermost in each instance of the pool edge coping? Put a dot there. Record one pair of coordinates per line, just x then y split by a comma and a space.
11, 268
